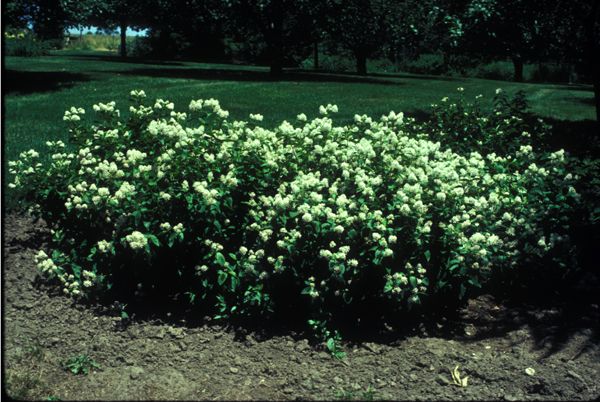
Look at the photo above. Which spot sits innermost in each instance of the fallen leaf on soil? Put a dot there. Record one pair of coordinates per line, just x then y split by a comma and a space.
461, 382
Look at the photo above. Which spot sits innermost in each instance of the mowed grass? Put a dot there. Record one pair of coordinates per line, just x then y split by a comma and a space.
38, 90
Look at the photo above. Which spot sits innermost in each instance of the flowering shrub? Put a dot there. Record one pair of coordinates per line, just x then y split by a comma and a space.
465, 126
307, 215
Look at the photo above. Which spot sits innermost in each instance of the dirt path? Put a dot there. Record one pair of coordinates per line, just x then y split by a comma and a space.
493, 345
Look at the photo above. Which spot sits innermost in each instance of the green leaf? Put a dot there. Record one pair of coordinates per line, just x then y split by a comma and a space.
171, 240
137, 215
331, 344
90, 257
474, 282
153, 239
191, 296
338, 354
221, 277
220, 259
347, 299
76, 270
427, 255
462, 291
234, 283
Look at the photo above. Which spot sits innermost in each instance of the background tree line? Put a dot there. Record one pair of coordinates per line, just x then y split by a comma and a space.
282, 33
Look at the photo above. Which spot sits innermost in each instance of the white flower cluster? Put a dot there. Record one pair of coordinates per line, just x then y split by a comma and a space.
73, 114
136, 240
209, 105
133, 157
325, 110
107, 109
106, 134
163, 104
104, 246
25, 166
124, 191
209, 195
71, 285
45, 263
76, 199
89, 278
138, 94
178, 228
141, 111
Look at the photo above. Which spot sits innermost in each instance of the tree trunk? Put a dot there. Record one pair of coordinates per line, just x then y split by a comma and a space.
275, 40
361, 64
595, 49
597, 96
316, 56
518, 65
446, 61
123, 27
276, 68
593, 58
395, 56
595, 69
276, 55
541, 71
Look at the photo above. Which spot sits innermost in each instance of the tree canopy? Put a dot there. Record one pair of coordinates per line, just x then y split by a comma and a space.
284, 32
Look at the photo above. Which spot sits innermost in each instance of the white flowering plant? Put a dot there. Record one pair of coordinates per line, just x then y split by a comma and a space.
468, 126
313, 216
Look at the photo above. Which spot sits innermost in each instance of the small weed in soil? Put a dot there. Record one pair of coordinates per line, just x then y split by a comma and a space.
80, 364
366, 395
24, 379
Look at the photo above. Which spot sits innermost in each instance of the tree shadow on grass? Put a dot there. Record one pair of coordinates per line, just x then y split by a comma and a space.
28, 82
236, 73
574, 87
414, 76
398, 75
588, 101
127, 60
250, 75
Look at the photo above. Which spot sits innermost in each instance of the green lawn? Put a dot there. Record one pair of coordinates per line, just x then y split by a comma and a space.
38, 90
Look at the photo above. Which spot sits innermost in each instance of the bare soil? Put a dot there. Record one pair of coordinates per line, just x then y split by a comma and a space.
493, 343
